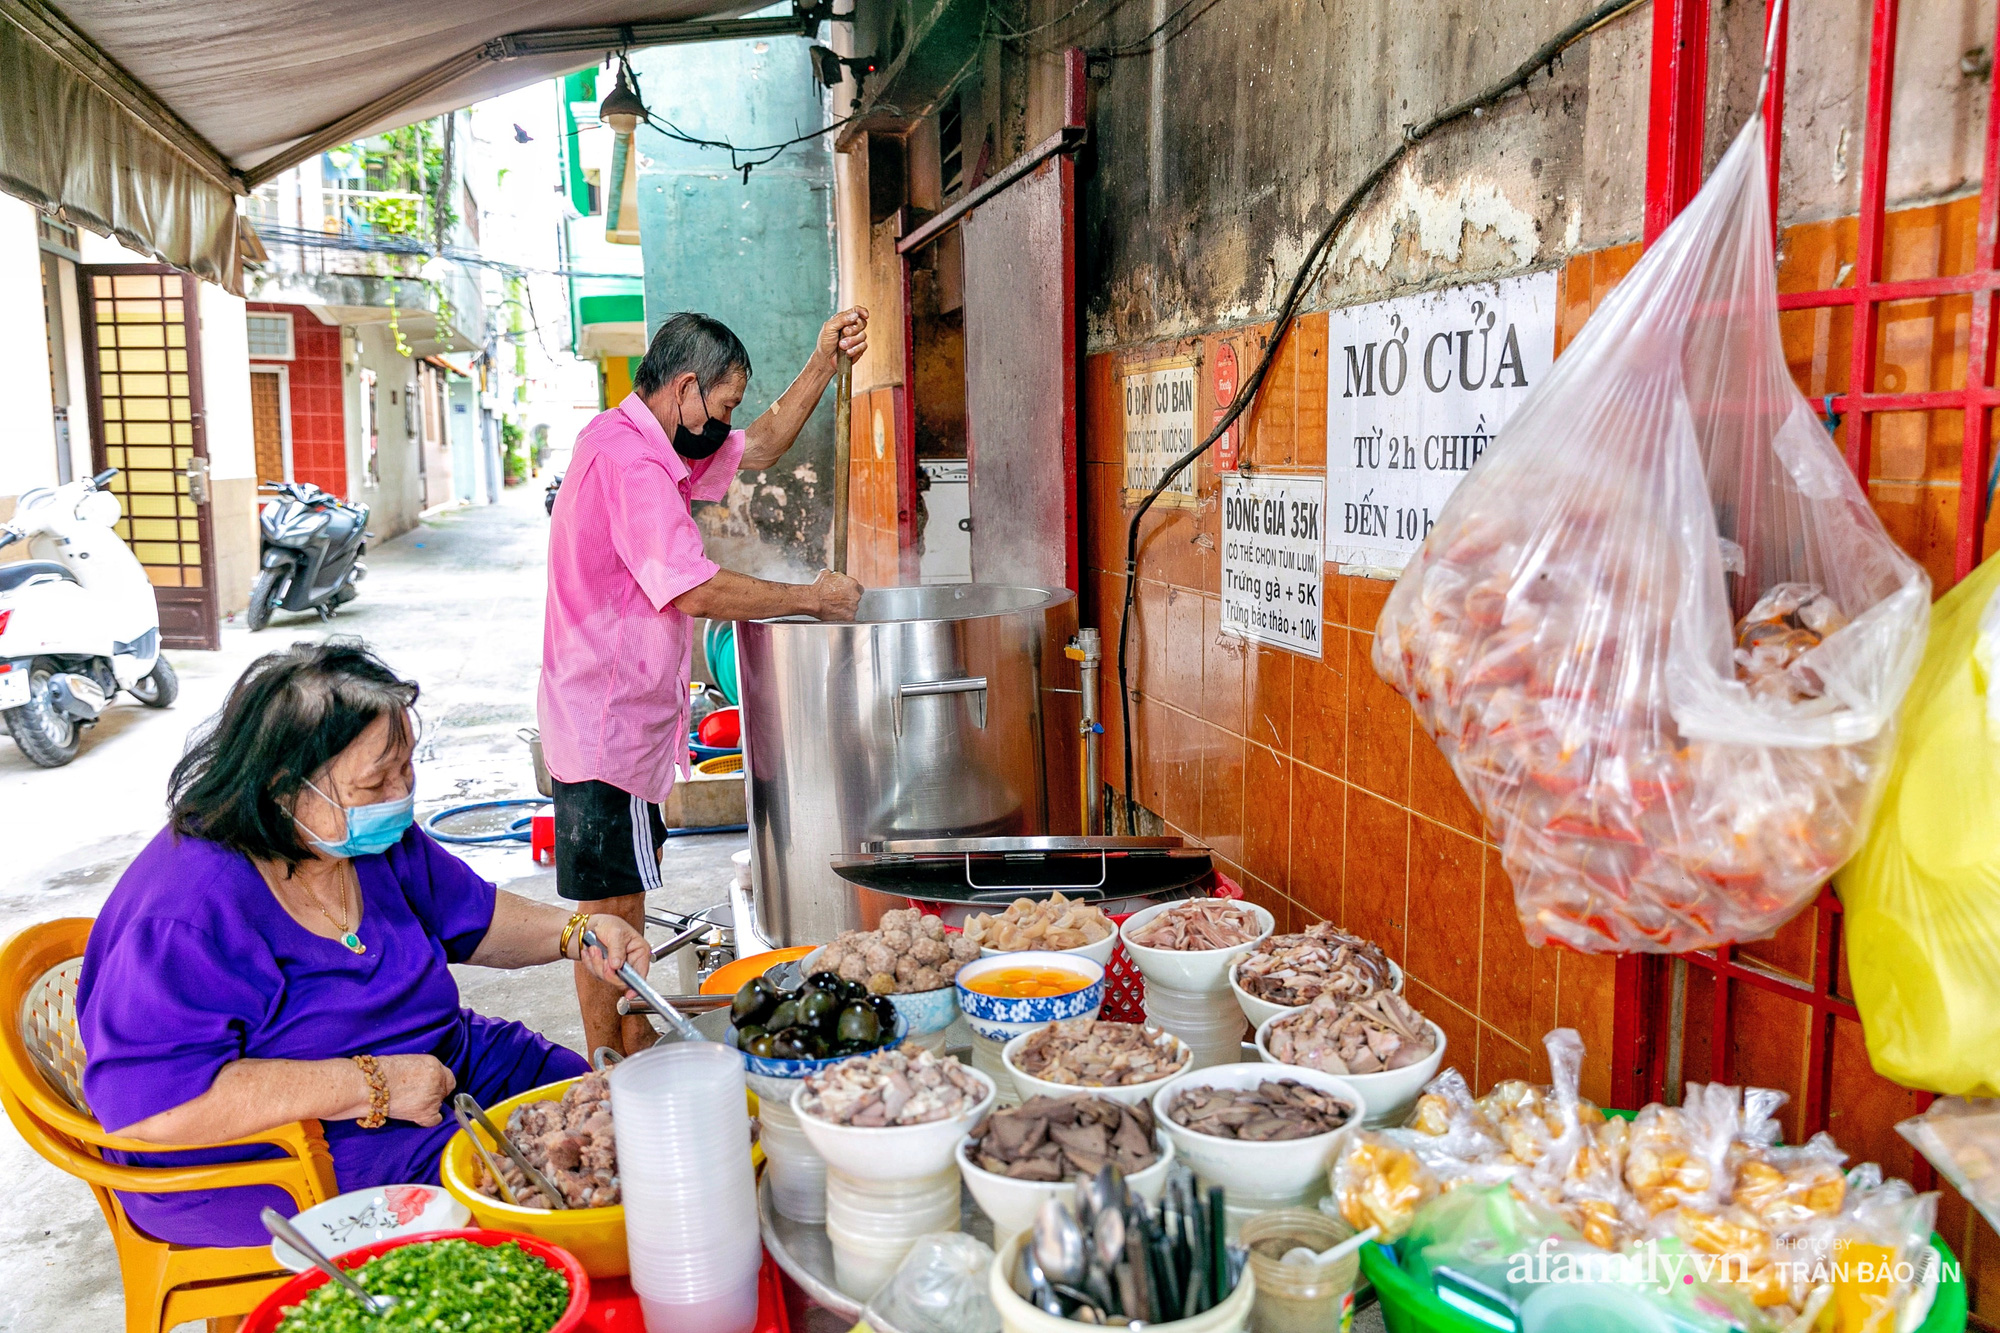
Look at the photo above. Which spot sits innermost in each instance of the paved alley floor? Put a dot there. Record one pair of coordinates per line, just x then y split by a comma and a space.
455, 605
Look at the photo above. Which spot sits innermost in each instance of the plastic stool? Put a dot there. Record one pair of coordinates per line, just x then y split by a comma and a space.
542, 839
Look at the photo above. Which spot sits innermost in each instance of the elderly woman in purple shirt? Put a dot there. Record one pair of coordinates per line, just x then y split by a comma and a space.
279, 952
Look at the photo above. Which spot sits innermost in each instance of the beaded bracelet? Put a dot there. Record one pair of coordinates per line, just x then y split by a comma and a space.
574, 926
378, 1093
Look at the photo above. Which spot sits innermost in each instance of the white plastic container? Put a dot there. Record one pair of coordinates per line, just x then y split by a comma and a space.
988, 1057
1129, 1093
871, 1224
1210, 1023
1017, 1316
689, 1191
1012, 1203
796, 1172
892, 1152
1277, 1174
1390, 1096
1203, 971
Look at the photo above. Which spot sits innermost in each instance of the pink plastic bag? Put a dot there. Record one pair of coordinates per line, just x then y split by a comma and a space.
1658, 631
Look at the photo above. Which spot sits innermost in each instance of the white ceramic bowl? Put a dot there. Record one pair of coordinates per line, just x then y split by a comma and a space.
1390, 1096
926, 1011
1200, 970
1278, 1172
1258, 1011
1012, 1203
1001, 1018
1129, 1093
892, 1152
1099, 952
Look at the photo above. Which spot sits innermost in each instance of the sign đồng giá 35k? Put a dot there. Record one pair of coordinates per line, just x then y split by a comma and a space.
1417, 388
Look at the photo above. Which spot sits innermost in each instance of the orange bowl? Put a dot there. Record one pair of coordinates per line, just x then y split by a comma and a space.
271, 1312
729, 979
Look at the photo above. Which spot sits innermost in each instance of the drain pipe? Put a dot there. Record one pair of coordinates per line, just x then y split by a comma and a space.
1087, 652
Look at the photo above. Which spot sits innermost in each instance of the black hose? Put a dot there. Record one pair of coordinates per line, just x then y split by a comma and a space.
1413, 135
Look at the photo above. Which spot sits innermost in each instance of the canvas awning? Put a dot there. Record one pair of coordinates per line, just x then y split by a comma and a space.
143, 118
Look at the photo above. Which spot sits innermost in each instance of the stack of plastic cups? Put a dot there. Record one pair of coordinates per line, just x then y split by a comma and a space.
872, 1224
1212, 1024
797, 1173
689, 1192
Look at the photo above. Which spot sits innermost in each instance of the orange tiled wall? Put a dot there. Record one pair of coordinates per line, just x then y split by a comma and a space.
1316, 790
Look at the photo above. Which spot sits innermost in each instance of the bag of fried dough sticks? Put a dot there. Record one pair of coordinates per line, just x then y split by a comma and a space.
1658, 631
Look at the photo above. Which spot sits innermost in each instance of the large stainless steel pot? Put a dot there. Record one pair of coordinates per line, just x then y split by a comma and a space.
925, 718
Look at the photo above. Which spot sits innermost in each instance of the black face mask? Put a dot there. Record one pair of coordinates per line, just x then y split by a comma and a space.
713, 435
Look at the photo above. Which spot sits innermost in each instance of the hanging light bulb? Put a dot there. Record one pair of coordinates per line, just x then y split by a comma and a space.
622, 110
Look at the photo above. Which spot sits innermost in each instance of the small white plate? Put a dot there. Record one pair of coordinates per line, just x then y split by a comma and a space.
362, 1217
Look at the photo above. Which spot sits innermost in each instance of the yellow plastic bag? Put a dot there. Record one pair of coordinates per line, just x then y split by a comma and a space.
1922, 897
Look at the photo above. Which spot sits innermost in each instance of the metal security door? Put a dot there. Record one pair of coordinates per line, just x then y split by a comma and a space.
141, 341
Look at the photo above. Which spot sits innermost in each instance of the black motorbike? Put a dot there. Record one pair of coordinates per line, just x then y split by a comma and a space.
313, 544
549, 495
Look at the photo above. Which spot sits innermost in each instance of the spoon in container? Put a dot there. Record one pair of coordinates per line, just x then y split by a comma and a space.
275, 1223
1057, 1244
1300, 1256
1041, 1291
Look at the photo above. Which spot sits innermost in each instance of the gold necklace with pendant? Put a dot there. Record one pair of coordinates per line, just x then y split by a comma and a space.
349, 940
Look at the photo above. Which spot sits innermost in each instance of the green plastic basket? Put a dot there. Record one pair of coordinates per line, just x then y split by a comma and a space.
1409, 1306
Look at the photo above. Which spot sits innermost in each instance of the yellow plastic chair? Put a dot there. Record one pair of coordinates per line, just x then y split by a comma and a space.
41, 1085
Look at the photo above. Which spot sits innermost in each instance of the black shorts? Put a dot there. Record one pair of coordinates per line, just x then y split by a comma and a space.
607, 841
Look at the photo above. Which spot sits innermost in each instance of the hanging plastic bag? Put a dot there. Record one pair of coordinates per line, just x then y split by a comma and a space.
1658, 631
1922, 896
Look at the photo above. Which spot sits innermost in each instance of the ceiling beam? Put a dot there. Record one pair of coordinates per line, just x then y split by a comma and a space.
596, 40
74, 49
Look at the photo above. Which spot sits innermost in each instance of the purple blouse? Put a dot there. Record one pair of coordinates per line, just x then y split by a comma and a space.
192, 964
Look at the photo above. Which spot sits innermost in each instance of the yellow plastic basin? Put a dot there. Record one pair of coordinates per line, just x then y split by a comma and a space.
596, 1236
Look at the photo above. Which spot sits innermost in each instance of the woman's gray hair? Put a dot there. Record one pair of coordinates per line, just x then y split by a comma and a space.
691, 342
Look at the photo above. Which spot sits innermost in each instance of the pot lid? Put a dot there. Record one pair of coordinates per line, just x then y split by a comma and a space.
1003, 869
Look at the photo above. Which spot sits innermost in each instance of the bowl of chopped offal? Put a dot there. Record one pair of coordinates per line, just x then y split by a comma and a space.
1381, 1045
1287, 972
1266, 1134
1125, 1062
1188, 946
896, 1114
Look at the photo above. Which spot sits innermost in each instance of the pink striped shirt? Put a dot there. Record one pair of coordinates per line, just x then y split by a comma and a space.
623, 544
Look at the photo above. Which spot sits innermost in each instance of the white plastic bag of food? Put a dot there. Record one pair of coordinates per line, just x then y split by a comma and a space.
1658, 631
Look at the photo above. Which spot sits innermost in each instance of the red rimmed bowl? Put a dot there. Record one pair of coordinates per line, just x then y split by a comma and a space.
271, 1312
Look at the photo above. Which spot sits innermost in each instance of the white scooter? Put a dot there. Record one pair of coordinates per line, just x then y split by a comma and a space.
78, 622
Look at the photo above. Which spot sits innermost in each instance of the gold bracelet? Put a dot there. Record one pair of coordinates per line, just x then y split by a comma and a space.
574, 926
378, 1093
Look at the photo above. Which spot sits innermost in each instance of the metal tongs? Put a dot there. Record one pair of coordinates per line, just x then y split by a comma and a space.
467, 1108
685, 1030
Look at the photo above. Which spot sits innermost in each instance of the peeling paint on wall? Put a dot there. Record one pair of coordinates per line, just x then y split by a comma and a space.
1438, 219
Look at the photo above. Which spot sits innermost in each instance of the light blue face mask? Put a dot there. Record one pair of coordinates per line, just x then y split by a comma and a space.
370, 828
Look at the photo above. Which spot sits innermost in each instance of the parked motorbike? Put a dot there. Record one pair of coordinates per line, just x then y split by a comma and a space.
549, 495
313, 543
78, 622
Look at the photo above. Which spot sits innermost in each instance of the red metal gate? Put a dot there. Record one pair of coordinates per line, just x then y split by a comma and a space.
1666, 1028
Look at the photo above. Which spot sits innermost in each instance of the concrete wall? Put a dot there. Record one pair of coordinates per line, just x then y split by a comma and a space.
758, 256
28, 445
395, 494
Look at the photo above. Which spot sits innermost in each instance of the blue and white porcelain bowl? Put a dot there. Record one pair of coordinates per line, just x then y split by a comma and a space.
927, 1012
779, 1079
1001, 1019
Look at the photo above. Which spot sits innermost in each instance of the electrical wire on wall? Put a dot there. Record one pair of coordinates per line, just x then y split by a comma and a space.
1472, 107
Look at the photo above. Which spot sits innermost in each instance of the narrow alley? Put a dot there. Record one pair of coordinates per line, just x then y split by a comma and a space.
455, 604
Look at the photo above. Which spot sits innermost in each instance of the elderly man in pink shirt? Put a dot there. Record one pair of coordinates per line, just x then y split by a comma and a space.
626, 573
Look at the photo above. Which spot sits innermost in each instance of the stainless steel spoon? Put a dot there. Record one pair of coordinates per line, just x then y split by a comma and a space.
1058, 1244
626, 973
275, 1223
1042, 1292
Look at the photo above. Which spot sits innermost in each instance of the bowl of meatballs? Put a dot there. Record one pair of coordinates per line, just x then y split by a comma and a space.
910, 958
